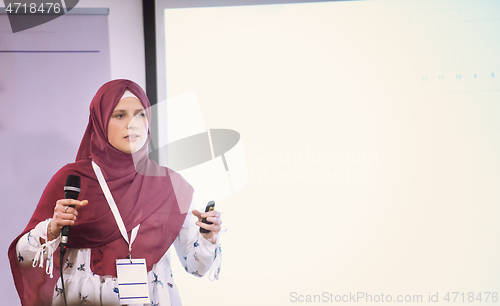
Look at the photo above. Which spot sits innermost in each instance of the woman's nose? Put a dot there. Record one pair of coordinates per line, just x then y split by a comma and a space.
133, 123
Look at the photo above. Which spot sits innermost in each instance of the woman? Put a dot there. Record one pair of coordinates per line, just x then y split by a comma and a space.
152, 201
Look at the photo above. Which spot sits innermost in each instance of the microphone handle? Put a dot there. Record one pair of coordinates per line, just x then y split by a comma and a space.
65, 233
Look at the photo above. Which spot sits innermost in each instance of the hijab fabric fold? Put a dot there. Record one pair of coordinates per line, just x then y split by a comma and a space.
145, 193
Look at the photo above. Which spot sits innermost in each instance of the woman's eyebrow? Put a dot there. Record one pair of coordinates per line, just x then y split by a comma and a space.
124, 110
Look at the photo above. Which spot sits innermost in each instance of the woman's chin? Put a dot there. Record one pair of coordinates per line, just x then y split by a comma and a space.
135, 148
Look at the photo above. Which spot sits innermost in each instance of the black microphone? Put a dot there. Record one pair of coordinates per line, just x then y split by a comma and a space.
71, 191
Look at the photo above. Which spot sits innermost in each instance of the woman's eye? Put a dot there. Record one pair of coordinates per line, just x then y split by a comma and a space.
119, 116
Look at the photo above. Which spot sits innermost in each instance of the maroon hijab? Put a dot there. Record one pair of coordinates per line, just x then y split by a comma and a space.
145, 193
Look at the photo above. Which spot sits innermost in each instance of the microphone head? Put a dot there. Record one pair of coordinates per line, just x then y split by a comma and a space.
72, 188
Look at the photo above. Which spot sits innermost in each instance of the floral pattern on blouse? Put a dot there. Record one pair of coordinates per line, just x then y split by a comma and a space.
85, 288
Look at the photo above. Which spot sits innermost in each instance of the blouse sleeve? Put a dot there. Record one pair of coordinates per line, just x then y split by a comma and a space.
30, 251
194, 251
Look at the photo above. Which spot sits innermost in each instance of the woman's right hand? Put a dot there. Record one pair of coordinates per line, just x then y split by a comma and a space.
64, 215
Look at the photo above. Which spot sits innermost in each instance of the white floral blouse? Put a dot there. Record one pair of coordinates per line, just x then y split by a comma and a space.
85, 288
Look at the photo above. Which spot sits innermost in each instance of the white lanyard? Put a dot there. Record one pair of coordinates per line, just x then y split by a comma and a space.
114, 209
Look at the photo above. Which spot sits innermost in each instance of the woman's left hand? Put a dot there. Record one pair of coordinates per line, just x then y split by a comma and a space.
212, 216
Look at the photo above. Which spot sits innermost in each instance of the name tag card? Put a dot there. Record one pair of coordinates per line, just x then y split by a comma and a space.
132, 281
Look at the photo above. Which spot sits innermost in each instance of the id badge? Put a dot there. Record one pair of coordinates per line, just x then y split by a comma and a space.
132, 281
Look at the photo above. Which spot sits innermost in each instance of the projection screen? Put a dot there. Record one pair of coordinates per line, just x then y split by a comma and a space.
359, 146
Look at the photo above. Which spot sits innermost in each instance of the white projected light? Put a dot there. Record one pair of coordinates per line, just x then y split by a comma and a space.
211, 160
372, 134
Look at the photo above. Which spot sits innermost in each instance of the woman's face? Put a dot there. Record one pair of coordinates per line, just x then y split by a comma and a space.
128, 126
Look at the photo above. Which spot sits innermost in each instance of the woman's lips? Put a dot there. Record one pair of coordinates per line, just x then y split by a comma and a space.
132, 137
